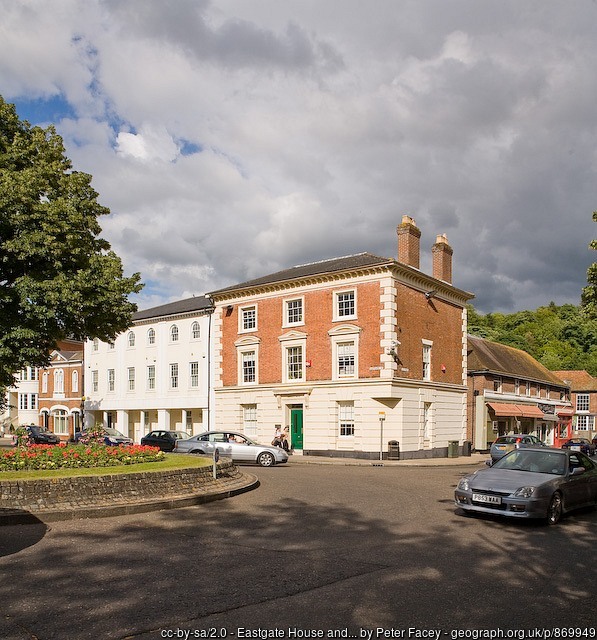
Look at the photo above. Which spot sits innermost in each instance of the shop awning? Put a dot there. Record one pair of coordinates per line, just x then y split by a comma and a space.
565, 412
503, 410
530, 411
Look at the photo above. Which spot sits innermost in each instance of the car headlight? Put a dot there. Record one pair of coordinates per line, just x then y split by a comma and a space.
463, 485
524, 492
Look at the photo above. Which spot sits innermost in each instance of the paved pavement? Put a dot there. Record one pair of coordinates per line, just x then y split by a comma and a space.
215, 490
473, 459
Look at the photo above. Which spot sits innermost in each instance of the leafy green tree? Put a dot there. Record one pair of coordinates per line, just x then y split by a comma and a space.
589, 293
559, 337
58, 277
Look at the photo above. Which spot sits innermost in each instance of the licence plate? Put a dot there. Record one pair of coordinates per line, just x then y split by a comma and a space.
575, 448
481, 497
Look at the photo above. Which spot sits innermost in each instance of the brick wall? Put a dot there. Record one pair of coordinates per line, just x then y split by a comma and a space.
84, 491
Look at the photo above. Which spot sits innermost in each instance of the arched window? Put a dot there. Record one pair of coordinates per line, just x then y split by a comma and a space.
151, 336
44, 382
131, 338
195, 331
75, 382
59, 381
174, 333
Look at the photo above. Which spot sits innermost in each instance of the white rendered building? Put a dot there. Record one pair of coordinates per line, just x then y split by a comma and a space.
156, 375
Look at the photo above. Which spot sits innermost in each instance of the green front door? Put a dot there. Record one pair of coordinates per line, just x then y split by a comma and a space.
296, 428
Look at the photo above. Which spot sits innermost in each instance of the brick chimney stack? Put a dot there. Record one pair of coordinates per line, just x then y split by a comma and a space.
442, 259
409, 242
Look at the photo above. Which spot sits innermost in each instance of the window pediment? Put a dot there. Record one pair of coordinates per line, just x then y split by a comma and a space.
247, 341
293, 335
345, 330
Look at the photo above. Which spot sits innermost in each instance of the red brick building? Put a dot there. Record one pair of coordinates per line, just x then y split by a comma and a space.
61, 390
583, 388
510, 392
348, 354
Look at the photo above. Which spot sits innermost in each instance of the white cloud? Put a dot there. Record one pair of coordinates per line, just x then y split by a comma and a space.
235, 138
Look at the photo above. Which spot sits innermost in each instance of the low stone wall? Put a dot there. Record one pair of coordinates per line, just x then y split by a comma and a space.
92, 496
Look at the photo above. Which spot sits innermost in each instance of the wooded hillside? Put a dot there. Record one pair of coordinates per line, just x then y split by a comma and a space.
558, 337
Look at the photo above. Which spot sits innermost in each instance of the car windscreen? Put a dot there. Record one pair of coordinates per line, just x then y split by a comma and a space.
550, 462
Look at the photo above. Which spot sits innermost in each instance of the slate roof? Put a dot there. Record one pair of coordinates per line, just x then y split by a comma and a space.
67, 355
356, 261
484, 355
578, 380
196, 303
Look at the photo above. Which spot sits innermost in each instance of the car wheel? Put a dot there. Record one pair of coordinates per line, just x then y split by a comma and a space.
266, 459
554, 512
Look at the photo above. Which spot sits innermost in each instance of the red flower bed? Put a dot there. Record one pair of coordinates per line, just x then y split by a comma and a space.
75, 456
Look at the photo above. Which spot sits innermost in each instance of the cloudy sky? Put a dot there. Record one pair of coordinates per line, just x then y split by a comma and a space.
234, 138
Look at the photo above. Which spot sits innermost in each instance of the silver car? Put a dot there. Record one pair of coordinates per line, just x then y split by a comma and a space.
236, 445
532, 482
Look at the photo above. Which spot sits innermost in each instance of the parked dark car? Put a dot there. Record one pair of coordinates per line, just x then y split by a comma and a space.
112, 437
580, 444
531, 482
165, 440
41, 435
505, 444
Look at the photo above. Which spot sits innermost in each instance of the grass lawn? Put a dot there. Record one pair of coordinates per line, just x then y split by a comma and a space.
177, 461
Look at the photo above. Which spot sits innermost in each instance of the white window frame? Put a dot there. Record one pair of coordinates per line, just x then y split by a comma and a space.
426, 358
497, 384
194, 374
338, 317
286, 320
150, 377
517, 387
249, 419
95, 381
195, 330
111, 380
243, 355
245, 346
60, 422
346, 422
292, 340
151, 336
288, 351
95, 344
585, 422
58, 381
174, 375
583, 402
174, 333
75, 381
427, 421
130, 374
44, 382
131, 339
247, 318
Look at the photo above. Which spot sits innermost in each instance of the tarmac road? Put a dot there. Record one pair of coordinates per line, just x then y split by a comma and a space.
332, 548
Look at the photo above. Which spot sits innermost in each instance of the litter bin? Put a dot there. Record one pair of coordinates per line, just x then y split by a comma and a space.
467, 446
393, 450
452, 448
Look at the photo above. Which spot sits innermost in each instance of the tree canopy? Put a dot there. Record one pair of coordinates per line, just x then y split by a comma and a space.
589, 293
58, 278
561, 338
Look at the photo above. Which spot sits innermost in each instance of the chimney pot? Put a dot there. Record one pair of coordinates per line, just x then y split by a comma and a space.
409, 242
442, 259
